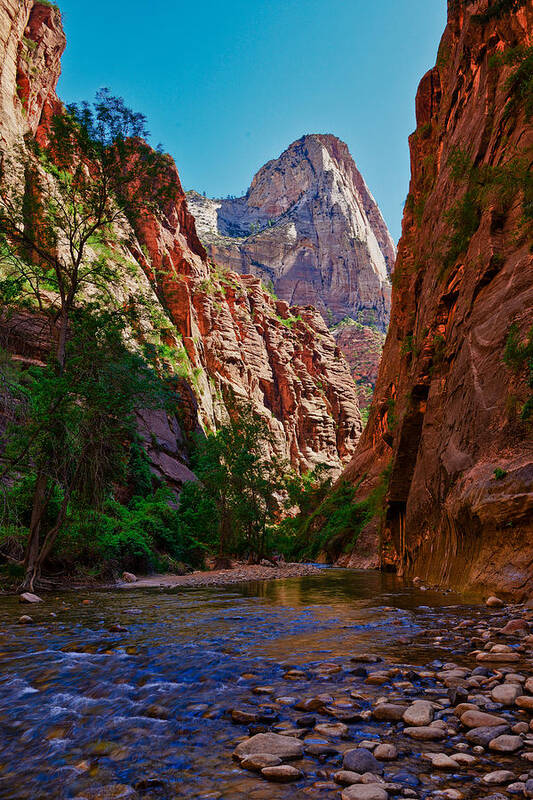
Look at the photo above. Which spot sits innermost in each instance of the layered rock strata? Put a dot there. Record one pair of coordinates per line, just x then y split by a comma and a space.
224, 335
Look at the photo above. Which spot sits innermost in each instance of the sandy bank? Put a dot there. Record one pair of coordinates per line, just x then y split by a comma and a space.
223, 577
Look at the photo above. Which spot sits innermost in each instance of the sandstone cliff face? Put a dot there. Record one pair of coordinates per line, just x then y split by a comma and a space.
222, 332
445, 420
309, 227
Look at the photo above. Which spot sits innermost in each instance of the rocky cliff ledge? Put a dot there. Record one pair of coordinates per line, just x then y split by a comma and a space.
450, 424
223, 333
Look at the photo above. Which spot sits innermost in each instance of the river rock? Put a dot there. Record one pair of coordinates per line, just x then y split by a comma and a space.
479, 719
241, 717
425, 733
514, 626
284, 747
506, 744
385, 752
259, 761
388, 712
498, 777
494, 602
506, 693
420, 714
524, 701
28, 597
360, 791
482, 736
25, 620
529, 685
114, 791
528, 791
440, 761
346, 778
498, 658
361, 760
282, 774
332, 729
129, 577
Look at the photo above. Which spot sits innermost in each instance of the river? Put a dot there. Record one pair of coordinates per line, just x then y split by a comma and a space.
85, 705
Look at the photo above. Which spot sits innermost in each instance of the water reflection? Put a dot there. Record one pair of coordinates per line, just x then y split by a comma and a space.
84, 704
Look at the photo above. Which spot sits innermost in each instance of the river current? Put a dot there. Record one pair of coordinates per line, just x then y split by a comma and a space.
133, 688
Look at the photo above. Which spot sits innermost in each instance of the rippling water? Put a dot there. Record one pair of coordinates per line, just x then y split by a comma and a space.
84, 706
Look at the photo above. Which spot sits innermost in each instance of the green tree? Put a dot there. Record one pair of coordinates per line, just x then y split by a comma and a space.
73, 439
240, 480
59, 204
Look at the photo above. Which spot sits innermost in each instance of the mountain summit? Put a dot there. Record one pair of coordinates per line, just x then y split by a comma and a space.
309, 227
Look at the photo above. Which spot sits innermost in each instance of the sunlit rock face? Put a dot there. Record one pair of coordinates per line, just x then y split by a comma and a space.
446, 434
308, 226
310, 229
225, 335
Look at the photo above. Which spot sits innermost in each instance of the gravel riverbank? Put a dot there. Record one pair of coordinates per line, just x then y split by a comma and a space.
223, 577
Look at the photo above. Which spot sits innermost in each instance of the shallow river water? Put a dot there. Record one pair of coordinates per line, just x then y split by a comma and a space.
83, 706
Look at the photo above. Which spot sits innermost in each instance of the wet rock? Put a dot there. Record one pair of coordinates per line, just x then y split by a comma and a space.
440, 761
28, 597
498, 658
369, 791
426, 733
505, 744
337, 729
115, 791
517, 788
306, 721
25, 620
346, 778
479, 719
284, 747
385, 752
494, 602
282, 774
482, 736
389, 712
463, 759
514, 626
498, 777
524, 701
420, 714
506, 693
321, 750
129, 577
241, 717
529, 685
528, 790
361, 760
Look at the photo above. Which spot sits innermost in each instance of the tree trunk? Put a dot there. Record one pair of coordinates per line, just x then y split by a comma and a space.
32, 548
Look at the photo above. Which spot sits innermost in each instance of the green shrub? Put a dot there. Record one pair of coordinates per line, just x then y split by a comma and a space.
499, 473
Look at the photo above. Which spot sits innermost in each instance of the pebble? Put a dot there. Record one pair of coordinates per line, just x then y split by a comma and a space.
282, 774
258, 761
29, 597
425, 734
388, 712
369, 791
479, 719
440, 760
25, 620
500, 776
335, 730
361, 760
386, 752
506, 693
284, 747
494, 602
420, 714
505, 744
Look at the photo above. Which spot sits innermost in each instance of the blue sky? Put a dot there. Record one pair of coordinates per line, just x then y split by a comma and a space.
226, 86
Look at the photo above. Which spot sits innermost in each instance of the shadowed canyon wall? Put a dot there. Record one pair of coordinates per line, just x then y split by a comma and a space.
450, 425
223, 333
